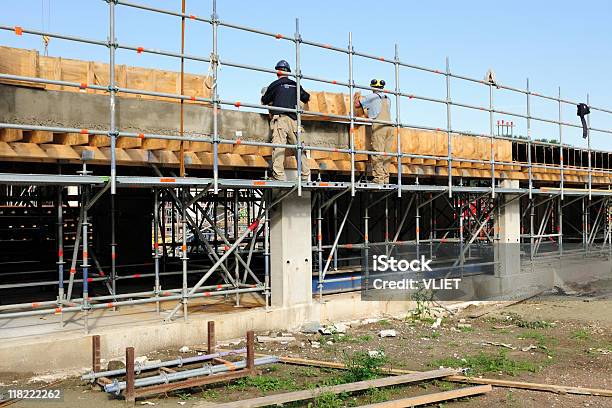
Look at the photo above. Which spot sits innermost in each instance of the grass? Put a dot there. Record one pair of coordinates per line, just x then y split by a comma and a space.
466, 329
361, 366
580, 335
376, 395
265, 383
327, 400
485, 363
529, 324
344, 338
444, 385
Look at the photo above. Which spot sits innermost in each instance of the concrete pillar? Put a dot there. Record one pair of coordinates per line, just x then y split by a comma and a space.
291, 251
507, 249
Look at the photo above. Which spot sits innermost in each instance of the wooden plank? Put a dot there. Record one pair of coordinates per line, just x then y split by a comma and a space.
72, 139
94, 152
37, 136
231, 160
10, 135
6, 150
124, 142
245, 149
99, 140
29, 150
56, 151
199, 147
164, 156
120, 154
561, 389
154, 144
191, 159
431, 398
254, 160
141, 156
278, 399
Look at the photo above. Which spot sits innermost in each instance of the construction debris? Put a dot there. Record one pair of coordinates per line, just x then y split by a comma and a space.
387, 333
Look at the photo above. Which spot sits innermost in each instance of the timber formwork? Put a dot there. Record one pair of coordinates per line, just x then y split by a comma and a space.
218, 240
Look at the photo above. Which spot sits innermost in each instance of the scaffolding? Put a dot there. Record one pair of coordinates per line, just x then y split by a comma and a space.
469, 206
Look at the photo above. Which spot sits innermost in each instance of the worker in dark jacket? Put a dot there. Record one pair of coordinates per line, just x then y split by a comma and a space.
282, 93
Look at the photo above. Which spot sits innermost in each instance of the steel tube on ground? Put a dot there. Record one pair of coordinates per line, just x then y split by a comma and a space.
117, 387
177, 362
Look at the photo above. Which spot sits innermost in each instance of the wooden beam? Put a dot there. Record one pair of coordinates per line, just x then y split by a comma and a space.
71, 139
6, 150
337, 389
560, 389
431, 398
10, 135
28, 150
56, 151
37, 136
124, 142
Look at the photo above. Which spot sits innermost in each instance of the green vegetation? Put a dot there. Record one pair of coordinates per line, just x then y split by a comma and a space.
376, 395
466, 329
265, 383
361, 366
485, 363
581, 335
327, 400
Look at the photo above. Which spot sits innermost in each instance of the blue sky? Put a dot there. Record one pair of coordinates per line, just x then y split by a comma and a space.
554, 43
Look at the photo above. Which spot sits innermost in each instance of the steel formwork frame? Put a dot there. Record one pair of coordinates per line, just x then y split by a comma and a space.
180, 189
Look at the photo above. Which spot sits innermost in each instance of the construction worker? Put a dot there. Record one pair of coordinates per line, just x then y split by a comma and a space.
378, 105
282, 93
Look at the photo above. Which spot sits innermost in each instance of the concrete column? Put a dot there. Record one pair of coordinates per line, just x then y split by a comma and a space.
291, 251
507, 249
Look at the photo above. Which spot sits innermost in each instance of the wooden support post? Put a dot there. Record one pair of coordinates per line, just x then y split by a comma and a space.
95, 353
250, 355
129, 376
211, 337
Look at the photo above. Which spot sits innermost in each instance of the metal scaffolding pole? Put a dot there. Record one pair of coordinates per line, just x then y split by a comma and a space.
397, 123
298, 134
351, 112
156, 256
214, 60
448, 129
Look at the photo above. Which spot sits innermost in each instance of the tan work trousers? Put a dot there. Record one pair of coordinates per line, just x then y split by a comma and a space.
284, 131
382, 141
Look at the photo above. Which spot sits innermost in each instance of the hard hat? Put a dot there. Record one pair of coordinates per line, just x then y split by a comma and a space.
283, 65
377, 83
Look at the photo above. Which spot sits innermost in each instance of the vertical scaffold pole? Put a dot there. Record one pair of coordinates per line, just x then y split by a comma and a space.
352, 112
561, 151
298, 74
387, 226
112, 133
397, 123
366, 243
560, 226
236, 256
60, 246
265, 201
529, 168
157, 288
182, 79
417, 229
112, 90
320, 243
335, 250
531, 228
85, 264
492, 141
448, 129
184, 253
215, 97
589, 150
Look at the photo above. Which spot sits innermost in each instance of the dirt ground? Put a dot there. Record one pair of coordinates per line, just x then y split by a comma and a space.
554, 339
